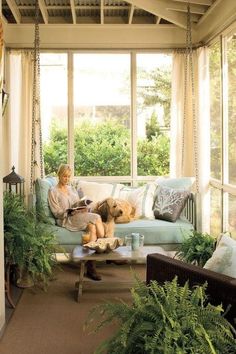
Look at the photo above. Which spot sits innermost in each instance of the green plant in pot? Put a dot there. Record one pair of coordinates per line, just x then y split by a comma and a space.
196, 248
29, 244
166, 319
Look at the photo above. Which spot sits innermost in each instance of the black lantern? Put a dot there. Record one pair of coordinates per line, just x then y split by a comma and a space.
14, 183
5, 97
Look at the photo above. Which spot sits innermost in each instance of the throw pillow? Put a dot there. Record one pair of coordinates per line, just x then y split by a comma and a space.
98, 191
223, 259
219, 237
141, 198
169, 203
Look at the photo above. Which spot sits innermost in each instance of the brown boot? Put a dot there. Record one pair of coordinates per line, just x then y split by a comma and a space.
91, 271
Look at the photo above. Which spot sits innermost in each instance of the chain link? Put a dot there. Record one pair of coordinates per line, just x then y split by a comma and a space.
36, 118
185, 99
189, 72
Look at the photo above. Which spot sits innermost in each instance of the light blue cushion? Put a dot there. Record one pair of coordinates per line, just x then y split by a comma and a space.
156, 232
68, 239
176, 183
42, 186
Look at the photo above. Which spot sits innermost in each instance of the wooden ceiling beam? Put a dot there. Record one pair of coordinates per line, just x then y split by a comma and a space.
194, 9
218, 17
4, 20
131, 14
102, 12
14, 9
159, 8
73, 12
210, 10
43, 10
197, 2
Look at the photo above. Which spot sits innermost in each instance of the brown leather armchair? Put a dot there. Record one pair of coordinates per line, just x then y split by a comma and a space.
221, 289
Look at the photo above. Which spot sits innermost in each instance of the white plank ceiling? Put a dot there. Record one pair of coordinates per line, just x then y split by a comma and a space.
102, 12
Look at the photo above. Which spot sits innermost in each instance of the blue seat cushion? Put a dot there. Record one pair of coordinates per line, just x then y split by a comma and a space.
156, 232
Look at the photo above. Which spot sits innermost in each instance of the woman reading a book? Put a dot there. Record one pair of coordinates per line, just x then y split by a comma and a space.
62, 199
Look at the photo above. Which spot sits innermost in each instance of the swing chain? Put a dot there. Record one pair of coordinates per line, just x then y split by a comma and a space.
36, 119
189, 70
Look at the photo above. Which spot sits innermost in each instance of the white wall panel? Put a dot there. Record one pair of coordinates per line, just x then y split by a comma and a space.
96, 36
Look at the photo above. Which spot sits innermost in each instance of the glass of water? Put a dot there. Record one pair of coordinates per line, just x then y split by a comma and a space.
141, 240
128, 240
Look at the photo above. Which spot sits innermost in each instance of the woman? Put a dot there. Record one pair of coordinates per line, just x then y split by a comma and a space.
62, 197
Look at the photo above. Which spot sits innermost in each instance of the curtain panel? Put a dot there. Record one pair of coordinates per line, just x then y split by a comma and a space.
190, 142
17, 124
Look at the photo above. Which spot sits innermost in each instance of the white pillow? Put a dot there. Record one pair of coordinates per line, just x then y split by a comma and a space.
223, 259
99, 191
141, 198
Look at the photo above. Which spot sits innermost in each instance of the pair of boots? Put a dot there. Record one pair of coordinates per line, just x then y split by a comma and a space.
91, 271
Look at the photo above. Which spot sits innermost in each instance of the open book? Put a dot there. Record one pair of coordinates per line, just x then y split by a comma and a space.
82, 204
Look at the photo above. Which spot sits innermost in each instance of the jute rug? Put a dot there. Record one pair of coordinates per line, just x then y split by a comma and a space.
52, 322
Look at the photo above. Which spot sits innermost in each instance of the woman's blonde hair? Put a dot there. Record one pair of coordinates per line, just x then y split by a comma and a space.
64, 167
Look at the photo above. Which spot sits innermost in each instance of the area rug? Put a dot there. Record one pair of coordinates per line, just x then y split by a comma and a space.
53, 322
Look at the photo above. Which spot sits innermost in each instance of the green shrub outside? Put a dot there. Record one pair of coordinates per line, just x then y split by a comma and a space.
104, 150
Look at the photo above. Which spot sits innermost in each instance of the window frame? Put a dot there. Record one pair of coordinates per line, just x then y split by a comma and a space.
133, 179
223, 184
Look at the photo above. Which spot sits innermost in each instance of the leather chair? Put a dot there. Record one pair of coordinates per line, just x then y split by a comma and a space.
221, 288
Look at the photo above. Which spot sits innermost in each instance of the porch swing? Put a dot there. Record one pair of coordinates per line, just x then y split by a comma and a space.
67, 238
189, 75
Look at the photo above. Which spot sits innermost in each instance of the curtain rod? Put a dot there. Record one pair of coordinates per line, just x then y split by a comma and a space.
108, 49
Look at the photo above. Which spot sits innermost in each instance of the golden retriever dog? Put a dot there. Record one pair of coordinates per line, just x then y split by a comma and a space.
113, 211
128, 211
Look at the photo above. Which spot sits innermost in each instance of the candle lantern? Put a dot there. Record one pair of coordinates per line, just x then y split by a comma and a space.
14, 183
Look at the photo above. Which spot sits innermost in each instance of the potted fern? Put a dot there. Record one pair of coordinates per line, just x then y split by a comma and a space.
29, 244
196, 248
166, 319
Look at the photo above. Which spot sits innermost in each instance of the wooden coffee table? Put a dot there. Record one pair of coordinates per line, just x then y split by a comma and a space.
82, 255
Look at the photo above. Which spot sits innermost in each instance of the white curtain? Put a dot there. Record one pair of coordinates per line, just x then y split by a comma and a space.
17, 123
189, 154
203, 103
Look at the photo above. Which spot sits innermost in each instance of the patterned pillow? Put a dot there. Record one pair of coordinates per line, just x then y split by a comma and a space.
223, 259
169, 203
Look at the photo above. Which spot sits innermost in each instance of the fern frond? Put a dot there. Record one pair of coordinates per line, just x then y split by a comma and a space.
167, 319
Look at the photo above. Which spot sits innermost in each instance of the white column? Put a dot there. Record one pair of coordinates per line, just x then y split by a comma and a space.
2, 278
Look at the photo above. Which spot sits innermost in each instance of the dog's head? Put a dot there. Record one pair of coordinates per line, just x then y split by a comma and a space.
128, 211
108, 208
